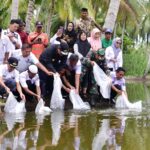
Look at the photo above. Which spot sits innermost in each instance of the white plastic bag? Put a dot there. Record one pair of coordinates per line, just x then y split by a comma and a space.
102, 80
41, 109
57, 101
13, 106
77, 101
123, 102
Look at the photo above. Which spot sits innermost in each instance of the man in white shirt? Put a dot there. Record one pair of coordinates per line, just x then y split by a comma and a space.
27, 58
30, 83
5, 48
118, 83
13, 36
9, 78
72, 72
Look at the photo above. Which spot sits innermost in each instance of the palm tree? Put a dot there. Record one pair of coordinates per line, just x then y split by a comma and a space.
49, 20
29, 14
14, 9
112, 14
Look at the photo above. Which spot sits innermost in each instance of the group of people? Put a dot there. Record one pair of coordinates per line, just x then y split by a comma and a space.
29, 61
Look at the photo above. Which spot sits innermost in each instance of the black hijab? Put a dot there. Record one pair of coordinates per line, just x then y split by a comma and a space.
83, 46
71, 33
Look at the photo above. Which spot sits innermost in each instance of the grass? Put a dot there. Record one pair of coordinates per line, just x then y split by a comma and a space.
135, 62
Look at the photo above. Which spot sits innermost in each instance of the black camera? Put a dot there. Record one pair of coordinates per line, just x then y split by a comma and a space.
39, 40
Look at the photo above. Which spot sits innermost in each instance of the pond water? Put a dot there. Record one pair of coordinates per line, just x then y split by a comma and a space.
97, 129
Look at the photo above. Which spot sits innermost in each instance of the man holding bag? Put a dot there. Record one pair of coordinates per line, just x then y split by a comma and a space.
30, 83
9, 78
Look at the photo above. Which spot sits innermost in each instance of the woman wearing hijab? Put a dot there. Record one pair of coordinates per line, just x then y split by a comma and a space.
95, 39
82, 46
113, 55
70, 36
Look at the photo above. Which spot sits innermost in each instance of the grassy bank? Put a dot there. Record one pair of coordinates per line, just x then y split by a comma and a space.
135, 62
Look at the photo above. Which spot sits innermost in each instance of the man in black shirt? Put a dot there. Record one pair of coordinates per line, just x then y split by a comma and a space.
54, 59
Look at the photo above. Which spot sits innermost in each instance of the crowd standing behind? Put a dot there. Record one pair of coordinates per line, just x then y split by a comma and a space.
72, 54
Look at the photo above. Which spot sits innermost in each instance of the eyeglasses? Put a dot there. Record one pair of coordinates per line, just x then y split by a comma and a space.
118, 43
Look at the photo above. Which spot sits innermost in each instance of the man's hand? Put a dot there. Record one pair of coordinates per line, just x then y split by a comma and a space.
119, 92
22, 96
49, 73
68, 90
38, 97
59, 32
113, 60
92, 63
72, 87
7, 90
77, 91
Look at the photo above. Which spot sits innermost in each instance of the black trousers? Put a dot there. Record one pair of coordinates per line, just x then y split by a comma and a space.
113, 93
31, 87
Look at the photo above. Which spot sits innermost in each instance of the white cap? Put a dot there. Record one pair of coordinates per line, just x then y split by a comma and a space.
33, 69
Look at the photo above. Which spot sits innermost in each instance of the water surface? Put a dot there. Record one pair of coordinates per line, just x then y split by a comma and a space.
106, 129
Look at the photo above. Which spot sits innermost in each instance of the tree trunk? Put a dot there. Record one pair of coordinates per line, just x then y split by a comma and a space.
14, 9
112, 14
29, 14
49, 22
148, 65
123, 30
115, 30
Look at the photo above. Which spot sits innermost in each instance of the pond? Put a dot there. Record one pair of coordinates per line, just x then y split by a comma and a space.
97, 129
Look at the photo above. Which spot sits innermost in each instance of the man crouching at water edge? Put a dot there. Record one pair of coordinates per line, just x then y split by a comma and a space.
118, 83
54, 59
9, 79
72, 72
30, 83
26, 58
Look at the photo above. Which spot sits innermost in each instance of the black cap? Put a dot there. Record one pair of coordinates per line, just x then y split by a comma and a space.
13, 62
39, 24
64, 48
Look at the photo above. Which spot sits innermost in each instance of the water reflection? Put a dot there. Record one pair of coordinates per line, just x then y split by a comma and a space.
57, 119
108, 129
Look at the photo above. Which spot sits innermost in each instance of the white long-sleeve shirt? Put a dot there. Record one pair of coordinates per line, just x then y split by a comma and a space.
109, 54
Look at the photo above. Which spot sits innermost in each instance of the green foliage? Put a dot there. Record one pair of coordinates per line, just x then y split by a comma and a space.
127, 43
135, 62
133, 95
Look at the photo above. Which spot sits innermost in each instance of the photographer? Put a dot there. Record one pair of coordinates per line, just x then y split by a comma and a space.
14, 37
38, 40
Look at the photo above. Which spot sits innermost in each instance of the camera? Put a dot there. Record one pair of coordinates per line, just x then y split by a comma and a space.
39, 40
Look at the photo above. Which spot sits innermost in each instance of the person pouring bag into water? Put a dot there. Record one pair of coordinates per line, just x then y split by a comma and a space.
38, 40
87, 77
26, 58
113, 55
54, 59
30, 83
71, 76
9, 79
118, 84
